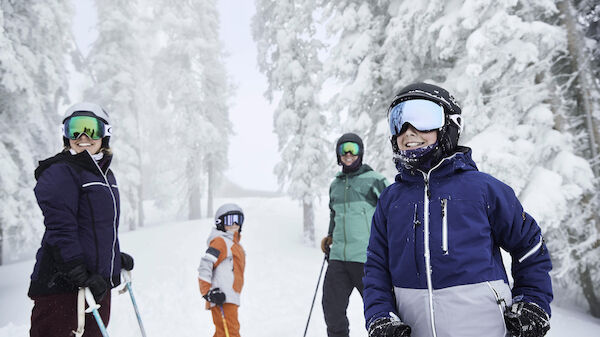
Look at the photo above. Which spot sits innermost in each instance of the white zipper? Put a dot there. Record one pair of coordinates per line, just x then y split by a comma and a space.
94, 183
445, 226
426, 242
499, 302
112, 261
533, 250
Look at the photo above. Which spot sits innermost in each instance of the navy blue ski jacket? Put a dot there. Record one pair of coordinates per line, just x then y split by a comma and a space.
436, 233
79, 199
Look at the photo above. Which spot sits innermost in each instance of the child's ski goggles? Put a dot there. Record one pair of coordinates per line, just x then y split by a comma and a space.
231, 219
346, 147
94, 128
422, 114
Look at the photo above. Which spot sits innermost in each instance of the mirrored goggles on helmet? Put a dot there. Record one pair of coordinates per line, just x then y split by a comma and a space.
94, 128
422, 114
346, 147
231, 219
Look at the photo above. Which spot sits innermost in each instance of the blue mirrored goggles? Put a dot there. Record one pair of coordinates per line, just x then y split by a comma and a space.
422, 114
231, 219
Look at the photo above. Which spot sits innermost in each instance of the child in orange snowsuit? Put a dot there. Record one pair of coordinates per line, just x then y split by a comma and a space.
221, 270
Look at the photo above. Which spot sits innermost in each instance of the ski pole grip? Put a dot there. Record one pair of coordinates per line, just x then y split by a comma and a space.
126, 275
89, 297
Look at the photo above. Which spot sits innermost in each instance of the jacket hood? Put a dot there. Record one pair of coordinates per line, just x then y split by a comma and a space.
82, 160
459, 161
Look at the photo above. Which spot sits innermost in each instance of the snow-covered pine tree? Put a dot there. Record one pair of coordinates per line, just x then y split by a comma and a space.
357, 33
287, 55
120, 68
34, 41
192, 88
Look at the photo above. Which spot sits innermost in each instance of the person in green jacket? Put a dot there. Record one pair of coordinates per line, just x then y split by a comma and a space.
353, 195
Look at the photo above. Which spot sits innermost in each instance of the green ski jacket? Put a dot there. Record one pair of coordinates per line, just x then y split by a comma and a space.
352, 200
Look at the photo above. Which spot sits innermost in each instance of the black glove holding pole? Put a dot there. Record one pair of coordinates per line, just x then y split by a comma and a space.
215, 296
524, 319
79, 277
389, 327
126, 261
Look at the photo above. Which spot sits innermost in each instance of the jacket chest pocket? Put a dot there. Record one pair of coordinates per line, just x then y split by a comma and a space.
461, 223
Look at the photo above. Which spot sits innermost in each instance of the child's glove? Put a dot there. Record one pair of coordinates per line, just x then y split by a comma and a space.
215, 296
389, 327
524, 319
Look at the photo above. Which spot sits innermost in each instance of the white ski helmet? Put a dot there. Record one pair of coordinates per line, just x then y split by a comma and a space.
227, 210
88, 109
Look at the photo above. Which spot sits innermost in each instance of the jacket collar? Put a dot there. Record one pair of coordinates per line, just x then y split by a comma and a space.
364, 168
82, 159
459, 161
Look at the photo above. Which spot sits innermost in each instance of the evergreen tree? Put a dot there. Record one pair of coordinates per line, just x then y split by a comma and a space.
287, 54
192, 88
120, 70
34, 40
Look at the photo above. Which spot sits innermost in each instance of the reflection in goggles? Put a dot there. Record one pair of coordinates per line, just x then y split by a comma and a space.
422, 114
346, 147
231, 219
75, 126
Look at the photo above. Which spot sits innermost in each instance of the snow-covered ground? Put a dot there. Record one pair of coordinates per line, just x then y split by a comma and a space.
281, 275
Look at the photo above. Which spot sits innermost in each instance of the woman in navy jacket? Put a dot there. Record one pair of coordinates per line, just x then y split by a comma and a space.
434, 267
79, 199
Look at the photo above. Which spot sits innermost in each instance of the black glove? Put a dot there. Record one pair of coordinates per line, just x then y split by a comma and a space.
388, 327
524, 319
126, 261
97, 286
215, 296
78, 275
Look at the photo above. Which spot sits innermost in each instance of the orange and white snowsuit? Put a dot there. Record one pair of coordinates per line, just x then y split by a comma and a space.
223, 267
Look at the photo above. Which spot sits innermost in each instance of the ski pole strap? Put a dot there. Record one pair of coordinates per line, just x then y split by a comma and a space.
80, 313
93, 308
224, 321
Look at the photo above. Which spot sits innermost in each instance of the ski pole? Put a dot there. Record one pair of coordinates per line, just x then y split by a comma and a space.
93, 308
315, 296
126, 274
224, 321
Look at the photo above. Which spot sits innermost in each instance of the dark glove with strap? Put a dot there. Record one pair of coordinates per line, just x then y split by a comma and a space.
525, 319
325, 245
126, 261
215, 296
389, 327
79, 277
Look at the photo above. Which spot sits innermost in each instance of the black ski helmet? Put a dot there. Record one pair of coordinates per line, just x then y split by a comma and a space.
228, 209
350, 137
88, 109
447, 136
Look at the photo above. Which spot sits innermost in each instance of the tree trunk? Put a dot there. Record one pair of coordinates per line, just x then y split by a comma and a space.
582, 83
211, 186
588, 290
194, 194
309, 222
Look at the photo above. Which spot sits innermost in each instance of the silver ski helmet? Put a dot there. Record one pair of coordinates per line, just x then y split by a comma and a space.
227, 214
447, 134
92, 110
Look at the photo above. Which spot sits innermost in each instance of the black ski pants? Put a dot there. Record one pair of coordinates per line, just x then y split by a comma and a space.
340, 279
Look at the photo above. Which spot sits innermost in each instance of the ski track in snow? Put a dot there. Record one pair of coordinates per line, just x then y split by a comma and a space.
280, 279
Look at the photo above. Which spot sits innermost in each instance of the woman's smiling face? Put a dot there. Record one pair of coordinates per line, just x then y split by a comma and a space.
413, 139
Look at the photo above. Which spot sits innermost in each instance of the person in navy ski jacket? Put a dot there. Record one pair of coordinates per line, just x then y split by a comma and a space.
434, 267
79, 199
